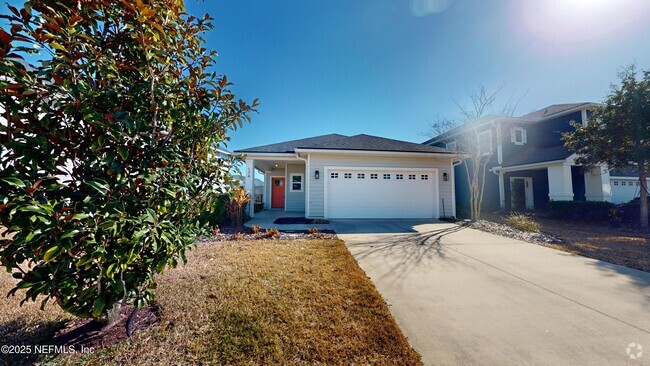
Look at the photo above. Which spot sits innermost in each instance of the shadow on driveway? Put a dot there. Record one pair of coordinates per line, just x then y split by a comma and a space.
406, 251
384, 226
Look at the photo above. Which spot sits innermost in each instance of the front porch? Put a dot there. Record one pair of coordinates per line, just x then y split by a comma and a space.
285, 184
531, 186
266, 220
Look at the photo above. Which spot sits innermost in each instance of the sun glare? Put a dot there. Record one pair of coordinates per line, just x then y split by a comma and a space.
574, 21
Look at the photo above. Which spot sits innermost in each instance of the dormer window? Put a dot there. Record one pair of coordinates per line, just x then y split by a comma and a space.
518, 136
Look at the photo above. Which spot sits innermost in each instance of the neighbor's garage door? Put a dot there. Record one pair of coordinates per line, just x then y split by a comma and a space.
381, 194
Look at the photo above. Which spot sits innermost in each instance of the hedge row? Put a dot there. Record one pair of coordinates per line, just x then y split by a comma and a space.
582, 210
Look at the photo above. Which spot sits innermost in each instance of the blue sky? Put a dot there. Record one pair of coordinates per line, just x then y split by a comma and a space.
388, 67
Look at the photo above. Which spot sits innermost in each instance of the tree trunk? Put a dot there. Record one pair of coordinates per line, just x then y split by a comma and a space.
644, 196
113, 316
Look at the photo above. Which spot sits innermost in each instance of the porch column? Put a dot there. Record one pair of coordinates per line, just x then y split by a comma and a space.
267, 190
502, 192
560, 185
249, 184
597, 184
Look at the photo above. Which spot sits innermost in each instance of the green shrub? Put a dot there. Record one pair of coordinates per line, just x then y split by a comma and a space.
259, 206
631, 211
215, 212
106, 159
523, 222
581, 210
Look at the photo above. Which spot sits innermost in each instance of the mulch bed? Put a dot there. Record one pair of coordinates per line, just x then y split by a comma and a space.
229, 233
299, 221
281, 235
511, 232
91, 334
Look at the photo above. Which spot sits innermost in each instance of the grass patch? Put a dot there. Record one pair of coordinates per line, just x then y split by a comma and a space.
523, 222
626, 246
250, 302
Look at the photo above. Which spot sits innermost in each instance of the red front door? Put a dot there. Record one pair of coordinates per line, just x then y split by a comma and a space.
277, 192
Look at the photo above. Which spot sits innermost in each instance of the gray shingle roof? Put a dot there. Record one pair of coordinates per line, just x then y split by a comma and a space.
373, 143
532, 154
554, 109
289, 146
353, 143
627, 172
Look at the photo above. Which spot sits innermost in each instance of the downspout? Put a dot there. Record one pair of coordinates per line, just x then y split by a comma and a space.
306, 182
502, 192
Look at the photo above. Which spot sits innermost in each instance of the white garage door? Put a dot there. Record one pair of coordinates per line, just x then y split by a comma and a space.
625, 190
364, 193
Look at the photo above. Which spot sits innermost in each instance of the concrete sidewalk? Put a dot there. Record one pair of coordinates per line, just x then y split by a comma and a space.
466, 297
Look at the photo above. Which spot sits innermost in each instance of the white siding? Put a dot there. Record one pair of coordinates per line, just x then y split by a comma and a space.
319, 162
295, 201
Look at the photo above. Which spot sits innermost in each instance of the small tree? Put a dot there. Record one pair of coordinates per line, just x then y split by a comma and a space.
106, 159
465, 134
618, 134
235, 206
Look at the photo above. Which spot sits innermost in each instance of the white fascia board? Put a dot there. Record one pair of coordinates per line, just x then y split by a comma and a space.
266, 156
544, 164
622, 177
378, 153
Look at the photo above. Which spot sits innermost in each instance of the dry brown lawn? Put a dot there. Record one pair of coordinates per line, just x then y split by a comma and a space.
246, 303
626, 246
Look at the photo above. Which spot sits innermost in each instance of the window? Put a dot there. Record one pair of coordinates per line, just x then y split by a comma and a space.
296, 182
451, 145
615, 182
347, 175
411, 176
361, 176
373, 176
484, 142
424, 177
399, 176
386, 176
518, 136
334, 175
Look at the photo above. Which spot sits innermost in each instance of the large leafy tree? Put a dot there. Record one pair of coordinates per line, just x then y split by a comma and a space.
110, 113
619, 132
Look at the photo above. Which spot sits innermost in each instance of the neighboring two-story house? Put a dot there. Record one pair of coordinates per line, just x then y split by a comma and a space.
530, 164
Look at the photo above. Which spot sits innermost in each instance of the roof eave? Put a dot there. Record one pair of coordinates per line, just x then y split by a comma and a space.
450, 154
263, 153
567, 111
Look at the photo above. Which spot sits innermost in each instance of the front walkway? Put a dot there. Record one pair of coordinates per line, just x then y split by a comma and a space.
466, 297
265, 219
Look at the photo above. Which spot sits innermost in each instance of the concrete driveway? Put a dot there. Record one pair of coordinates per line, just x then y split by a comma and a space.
465, 297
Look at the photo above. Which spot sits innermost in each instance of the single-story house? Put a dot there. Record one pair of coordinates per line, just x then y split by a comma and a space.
361, 176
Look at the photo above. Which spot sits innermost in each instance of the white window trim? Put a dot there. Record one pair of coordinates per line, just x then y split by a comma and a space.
451, 146
478, 142
513, 136
302, 182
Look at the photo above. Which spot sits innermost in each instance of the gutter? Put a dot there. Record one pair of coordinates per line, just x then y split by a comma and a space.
374, 152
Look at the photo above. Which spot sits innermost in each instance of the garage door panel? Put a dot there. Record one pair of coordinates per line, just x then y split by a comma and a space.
355, 194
